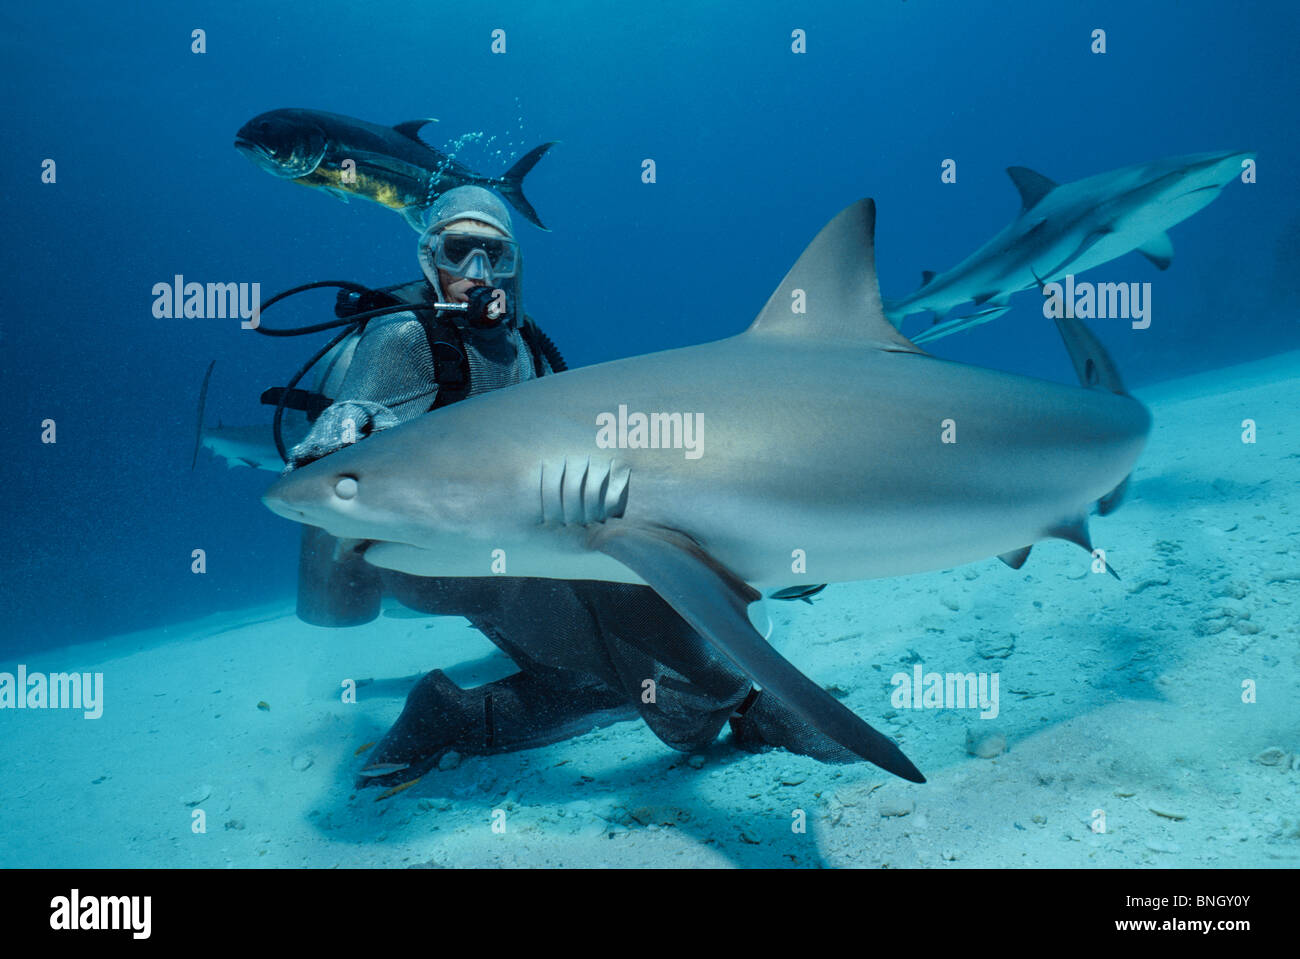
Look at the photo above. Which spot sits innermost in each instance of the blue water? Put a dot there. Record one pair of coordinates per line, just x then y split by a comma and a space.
755, 148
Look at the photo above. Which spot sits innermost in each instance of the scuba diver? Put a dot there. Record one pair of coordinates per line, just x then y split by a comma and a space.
589, 653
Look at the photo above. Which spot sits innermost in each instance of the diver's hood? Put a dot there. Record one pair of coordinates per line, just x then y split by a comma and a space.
473, 203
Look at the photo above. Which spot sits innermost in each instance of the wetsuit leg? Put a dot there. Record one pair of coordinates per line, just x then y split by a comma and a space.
518, 712
683, 689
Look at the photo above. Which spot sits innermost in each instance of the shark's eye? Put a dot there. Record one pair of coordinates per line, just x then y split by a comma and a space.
346, 487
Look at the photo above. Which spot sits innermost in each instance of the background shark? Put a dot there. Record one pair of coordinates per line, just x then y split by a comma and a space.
252, 446
243, 446
394, 167
845, 465
1071, 228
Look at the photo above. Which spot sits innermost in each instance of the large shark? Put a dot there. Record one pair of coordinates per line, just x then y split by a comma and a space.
1070, 228
817, 446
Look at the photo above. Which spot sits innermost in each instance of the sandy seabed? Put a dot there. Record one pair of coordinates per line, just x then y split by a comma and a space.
1121, 705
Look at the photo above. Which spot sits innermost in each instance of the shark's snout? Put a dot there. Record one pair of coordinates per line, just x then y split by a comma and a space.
296, 497
1222, 168
275, 501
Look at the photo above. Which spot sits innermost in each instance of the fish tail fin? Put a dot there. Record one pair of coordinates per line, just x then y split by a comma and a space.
198, 426
511, 183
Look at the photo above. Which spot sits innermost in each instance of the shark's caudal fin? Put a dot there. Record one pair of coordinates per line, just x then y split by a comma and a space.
511, 183
831, 292
715, 602
198, 426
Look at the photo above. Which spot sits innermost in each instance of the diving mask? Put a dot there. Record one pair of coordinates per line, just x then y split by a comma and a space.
472, 255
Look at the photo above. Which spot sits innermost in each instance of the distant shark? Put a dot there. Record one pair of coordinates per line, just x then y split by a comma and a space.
1068, 229
238, 445
843, 473
243, 446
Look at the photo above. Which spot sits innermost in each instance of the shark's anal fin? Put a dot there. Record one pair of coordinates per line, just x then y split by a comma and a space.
1016, 558
714, 601
1032, 186
1159, 250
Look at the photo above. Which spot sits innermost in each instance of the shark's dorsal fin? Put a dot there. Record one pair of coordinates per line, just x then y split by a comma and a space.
831, 292
411, 129
1032, 186
927, 276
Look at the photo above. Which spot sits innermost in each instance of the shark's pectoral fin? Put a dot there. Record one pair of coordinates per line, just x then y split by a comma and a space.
1016, 558
715, 601
1159, 250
